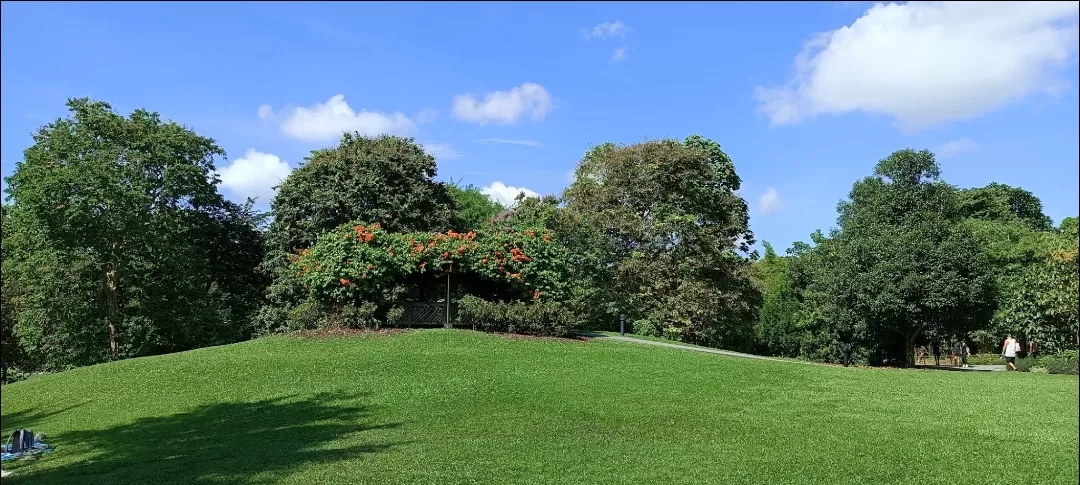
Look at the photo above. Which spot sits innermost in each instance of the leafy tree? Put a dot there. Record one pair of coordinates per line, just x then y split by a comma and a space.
1003, 203
670, 241
1068, 227
387, 180
117, 222
777, 328
472, 209
9, 345
902, 264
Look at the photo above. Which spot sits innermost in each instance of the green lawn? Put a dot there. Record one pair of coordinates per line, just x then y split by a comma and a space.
453, 406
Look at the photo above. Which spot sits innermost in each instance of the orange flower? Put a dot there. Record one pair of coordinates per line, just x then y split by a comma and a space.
530, 233
376, 226
421, 266
483, 261
344, 282
445, 255
547, 237
536, 294
369, 266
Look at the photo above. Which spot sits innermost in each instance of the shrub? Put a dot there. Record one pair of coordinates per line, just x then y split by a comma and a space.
360, 315
1063, 363
308, 315
536, 318
394, 316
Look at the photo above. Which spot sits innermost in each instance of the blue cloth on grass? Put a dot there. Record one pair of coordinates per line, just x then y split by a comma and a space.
38, 448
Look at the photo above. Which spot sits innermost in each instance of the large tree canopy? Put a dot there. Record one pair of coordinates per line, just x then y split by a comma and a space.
673, 234
387, 180
902, 264
117, 221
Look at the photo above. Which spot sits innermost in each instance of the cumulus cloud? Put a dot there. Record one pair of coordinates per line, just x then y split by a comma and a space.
441, 151
606, 30
509, 141
504, 107
254, 175
956, 147
927, 63
327, 121
770, 202
619, 54
506, 194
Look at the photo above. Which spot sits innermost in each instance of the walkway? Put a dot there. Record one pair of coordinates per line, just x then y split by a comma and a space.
672, 345
970, 368
694, 348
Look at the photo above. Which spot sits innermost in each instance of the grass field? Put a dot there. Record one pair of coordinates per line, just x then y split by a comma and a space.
457, 407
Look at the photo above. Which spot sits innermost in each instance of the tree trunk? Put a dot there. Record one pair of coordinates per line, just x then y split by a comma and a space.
909, 349
111, 288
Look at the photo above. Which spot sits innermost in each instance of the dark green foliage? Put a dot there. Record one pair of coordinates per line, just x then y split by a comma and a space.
1000, 202
668, 240
535, 318
901, 265
117, 221
1064, 363
472, 209
385, 179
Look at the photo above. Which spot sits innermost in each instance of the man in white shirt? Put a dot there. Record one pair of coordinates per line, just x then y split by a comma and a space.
1008, 351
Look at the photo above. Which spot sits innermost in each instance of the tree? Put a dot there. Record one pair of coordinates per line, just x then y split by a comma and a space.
671, 238
387, 180
1003, 203
9, 345
777, 328
472, 209
902, 264
117, 222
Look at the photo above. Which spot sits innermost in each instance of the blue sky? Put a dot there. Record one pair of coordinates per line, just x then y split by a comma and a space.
805, 97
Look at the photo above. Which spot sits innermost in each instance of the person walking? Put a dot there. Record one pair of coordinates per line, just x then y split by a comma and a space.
964, 351
1008, 351
936, 347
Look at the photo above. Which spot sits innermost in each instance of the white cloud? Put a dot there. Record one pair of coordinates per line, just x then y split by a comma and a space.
254, 175
506, 194
619, 54
265, 112
426, 115
927, 63
327, 121
504, 107
606, 30
441, 151
956, 147
508, 141
770, 202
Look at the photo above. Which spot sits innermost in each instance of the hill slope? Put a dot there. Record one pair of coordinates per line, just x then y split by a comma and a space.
443, 406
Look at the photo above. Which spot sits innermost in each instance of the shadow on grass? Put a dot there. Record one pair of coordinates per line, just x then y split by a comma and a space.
30, 418
258, 442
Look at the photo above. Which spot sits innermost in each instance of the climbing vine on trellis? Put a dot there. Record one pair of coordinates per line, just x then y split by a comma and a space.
357, 261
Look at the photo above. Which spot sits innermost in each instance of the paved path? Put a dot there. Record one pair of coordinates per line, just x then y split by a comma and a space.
973, 368
696, 349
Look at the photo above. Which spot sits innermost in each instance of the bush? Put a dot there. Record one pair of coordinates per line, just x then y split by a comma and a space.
359, 315
536, 318
1063, 363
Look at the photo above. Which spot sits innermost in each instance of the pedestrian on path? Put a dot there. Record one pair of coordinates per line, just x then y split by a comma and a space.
964, 351
936, 347
1008, 351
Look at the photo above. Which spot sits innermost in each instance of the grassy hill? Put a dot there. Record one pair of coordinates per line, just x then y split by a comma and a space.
449, 407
